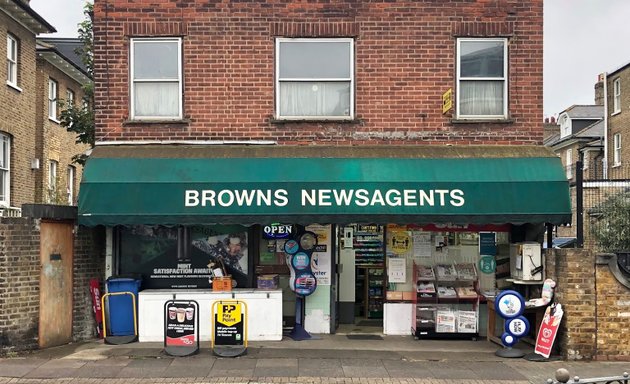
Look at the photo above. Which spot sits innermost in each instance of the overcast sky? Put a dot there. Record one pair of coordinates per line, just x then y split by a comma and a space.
582, 39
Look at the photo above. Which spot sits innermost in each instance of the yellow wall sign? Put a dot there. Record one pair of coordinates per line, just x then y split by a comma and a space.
229, 313
447, 100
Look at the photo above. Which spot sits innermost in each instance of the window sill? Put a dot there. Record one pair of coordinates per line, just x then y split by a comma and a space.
156, 122
54, 120
616, 165
616, 113
482, 121
274, 120
14, 86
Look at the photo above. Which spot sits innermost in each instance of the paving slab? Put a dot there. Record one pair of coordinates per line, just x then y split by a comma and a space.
277, 363
401, 369
18, 367
182, 371
364, 371
361, 363
276, 371
306, 363
234, 364
231, 373
451, 370
321, 372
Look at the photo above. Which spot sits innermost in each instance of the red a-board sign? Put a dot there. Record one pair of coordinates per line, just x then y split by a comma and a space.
95, 292
548, 330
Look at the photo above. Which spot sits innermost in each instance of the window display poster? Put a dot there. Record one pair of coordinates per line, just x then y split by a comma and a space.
421, 244
397, 270
321, 259
487, 243
181, 257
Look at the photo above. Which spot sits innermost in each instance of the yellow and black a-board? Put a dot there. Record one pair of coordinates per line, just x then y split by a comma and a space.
229, 328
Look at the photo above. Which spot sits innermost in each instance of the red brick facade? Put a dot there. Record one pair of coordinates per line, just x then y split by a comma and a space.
405, 58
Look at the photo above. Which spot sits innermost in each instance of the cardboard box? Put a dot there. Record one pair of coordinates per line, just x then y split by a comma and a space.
394, 295
408, 296
222, 283
268, 281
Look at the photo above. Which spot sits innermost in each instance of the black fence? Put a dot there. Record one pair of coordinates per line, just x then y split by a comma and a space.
601, 210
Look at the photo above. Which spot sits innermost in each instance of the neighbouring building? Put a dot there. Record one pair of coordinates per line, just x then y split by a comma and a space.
41, 76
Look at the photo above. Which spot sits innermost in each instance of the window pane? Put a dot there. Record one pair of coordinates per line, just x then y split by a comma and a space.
156, 99
481, 98
3, 185
315, 99
4, 155
481, 58
312, 60
156, 60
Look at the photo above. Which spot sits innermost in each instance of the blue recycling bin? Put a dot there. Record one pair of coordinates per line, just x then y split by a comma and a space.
120, 307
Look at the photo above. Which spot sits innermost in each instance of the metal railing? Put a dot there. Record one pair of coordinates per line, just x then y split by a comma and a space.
563, 376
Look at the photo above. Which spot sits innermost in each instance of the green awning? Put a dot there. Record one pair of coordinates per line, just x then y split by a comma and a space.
211, 184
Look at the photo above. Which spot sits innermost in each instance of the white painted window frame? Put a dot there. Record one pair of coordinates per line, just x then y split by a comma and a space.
179, 79
616, 149
617, 95
504, 78
569, 163
350, 79
70, 97
70, 179
53, 88
53, 165
5, 169
12, 61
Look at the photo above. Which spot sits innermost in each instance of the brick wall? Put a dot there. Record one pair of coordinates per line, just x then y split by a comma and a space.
573, 270
89, 263
613, 317
20, 276
405, 60
17, 115
19, 284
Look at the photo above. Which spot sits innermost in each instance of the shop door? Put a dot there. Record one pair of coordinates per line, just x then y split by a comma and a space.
55, 288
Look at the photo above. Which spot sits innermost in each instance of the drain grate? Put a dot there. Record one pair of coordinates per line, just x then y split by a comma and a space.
364, 337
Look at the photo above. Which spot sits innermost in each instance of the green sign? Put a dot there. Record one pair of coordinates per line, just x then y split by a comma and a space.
487, 264
172, 191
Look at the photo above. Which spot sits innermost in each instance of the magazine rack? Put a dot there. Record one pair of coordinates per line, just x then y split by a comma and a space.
446, 301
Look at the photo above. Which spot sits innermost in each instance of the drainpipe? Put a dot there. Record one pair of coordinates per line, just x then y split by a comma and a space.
605, 74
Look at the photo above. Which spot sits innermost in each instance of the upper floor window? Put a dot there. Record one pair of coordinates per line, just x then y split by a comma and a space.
314, 78
617, 149
568, 166
52, 181
482, 68
565, 126
156, 79
70, 97
70, 184
617, 95
12, 61
5, 171
52, 99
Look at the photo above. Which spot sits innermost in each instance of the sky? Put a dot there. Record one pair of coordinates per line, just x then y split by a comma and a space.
583, 38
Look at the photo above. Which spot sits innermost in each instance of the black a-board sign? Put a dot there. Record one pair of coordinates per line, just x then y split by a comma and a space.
229, 331
181, 327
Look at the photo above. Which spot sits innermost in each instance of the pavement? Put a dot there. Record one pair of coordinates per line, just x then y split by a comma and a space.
324, 359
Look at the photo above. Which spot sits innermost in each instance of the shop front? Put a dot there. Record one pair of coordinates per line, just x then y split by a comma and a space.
390, 225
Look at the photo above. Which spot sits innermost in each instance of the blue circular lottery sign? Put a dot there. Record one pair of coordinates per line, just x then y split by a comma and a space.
509, 304
301, 261
517, 327
291, 247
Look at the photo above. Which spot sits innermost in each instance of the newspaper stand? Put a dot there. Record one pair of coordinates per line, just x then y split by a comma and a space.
119, 339
181, 327
229, 328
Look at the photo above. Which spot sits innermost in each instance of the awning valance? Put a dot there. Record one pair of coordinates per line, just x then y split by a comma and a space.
194, 184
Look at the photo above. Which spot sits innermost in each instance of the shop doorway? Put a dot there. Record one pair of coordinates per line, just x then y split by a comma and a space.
55, 297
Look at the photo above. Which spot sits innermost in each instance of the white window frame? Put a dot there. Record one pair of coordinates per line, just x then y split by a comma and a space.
70, 97
565, 126
53, 165
504, 78
616, 149
569, 163
70, 179
617, 95
12, 61
179, 79
350, 79
53, 86
586, 159
5, 170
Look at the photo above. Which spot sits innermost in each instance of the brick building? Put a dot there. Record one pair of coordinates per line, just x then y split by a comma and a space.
36, 168
618, 99
247, 114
